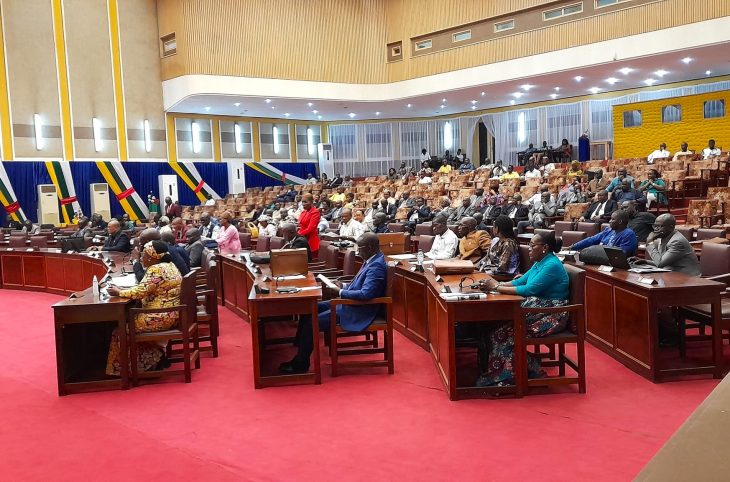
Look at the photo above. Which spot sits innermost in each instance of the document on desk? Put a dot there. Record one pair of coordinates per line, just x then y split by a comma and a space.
403, 256
126, 281
463, 296
289, 277
327, 282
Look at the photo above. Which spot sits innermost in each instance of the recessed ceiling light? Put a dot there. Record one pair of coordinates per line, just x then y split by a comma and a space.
595, 90
661, 73
687, 60
708, 72
443, 100
557, 89
483, 94
578, 78
526, 87
286, 114
442, 106
517, 94
319, 117
351, 114
554, 96
650, 81
473, 102
612, 80
207, 109
377, 113
626, 70
272, 107
237, 104
268, 101
409, 105
473, 107
315, 111
309, 104
512, 102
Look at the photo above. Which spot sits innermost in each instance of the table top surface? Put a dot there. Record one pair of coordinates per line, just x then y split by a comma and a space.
665, 280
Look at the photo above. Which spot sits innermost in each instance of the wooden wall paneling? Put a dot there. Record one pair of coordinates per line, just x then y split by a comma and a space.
73, 274
416, 306
599, 312
632, 326
241, 293
228, 274
433, 324
34, 270
399, 301
55, 275
12, 270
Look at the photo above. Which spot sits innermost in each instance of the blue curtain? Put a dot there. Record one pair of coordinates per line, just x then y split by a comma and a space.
25, 176
299, 169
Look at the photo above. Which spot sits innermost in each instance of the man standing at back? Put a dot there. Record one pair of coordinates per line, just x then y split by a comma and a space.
308, 221
369, 283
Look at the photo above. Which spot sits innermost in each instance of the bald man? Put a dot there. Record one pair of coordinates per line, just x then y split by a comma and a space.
474, 244
117, 240
668, 248
147, 235
350, 229
194, 247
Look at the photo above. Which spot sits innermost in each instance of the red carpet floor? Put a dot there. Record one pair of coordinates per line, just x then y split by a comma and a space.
354, 427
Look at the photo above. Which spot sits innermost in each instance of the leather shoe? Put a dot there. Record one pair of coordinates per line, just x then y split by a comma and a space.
293, 368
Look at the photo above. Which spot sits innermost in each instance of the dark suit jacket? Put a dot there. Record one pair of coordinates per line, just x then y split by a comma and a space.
492, 212
195, 253
424, 213
611, 206
390, 211
299, 242
521, 212
118, 242
369, 283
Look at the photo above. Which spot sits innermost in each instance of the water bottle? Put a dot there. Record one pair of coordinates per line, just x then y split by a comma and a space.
95, 288
419, 258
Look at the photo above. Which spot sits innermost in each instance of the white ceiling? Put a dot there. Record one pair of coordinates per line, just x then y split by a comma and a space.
713, 58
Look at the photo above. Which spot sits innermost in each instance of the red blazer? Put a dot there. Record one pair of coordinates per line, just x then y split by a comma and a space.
173, 211
308, 221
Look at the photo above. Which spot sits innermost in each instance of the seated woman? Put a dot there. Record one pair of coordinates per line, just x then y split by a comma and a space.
504, 253
227, 238
545, 284
575, 170
392, 174
566, 150
654, 188
160, 288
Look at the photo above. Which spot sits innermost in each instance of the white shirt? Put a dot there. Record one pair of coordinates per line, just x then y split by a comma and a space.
269, 230
210, 202
444, 246
425, 157
425, 180
682, 153
352, 229
311, 181
658, 154
536, 200
535, 173
600, 210
707, 152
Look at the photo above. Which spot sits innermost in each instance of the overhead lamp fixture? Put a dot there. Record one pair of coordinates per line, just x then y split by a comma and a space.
147, 136
275, 132
351, 114
377, 113
442, 106
98, 141
473, 102
309, 104
687, 60
310, 141
286, 114
38, 127
473, 107
626, 70
237, 104
482, 94
526, 87
553, 96
237, 138
650, 81
315, 111
268, 101
517, 95
319, 117
409, 105
272, 107
578, 78
557, 89
708, 72
595, 90
512, 102
195, 127
612, 80
661, 73
443, 100
207, 109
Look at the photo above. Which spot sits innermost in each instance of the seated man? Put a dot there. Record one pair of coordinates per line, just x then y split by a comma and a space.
350, 229
194, 247
266, 227
661, 153
425, 179
600, 210
336, 214
510, 174
466, 209
84, 230
532, 172
474, 244
293, 240
477, 198
668, 248
420, 213
147, 235
370, 282
598, 183
445, 208
493, 209
380, 224
537, 214
628, 193
445, 241
683, 151
481, 225
466, 166
445, 166
208, 227
498, 169
641, 223
117, 240
515, 210
710, 151
621, 174
617, 235
389, 209
406, 201
179, 229
178, 254
339, 195
97, 223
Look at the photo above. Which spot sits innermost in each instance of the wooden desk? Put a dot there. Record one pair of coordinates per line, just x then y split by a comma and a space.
621, 316
424, 317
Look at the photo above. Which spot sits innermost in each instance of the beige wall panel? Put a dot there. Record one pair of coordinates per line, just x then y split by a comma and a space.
32, 76
90, 74
228, 140
185, 140
170, 20
142, 80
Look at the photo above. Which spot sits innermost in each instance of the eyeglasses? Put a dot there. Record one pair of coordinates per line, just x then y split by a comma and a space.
534, 245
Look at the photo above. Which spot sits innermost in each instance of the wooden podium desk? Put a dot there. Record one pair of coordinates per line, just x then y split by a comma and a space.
239, 295
425, 318
622, 319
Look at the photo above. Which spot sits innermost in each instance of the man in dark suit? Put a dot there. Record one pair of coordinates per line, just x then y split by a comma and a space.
380, 223
147, 235
493, 210
336, 181
117, 239
84, 230
194, 247
293, 240
388, 209
178, 254
600, 210
668, 248
370, 282
515, 210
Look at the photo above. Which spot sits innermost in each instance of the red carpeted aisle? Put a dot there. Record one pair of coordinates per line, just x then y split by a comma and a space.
354, 427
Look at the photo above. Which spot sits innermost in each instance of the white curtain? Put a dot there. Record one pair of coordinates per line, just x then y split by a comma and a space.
378, 141
563, 121
447, 136
343, 138
413, 138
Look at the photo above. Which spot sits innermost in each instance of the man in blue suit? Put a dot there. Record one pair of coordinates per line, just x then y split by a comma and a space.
369, 283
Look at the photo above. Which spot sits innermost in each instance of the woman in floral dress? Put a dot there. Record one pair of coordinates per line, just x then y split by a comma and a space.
160, 288
545, 285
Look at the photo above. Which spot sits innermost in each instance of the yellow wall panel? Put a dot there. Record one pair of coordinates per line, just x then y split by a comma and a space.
693, 128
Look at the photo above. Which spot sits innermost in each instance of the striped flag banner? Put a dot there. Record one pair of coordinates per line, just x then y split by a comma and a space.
8, 199
118, 180
190, 175
274, 173
60, 172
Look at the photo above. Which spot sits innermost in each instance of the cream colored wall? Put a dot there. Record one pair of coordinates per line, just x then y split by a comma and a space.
28, 29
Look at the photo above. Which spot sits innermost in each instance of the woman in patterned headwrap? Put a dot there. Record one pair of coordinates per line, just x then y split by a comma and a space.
160, 288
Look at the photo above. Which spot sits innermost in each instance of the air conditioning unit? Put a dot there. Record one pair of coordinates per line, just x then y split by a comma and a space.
168, 187
100, 200
236, 177
48, 204
326, 161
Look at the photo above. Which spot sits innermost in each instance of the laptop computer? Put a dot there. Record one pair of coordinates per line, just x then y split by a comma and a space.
617, 259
